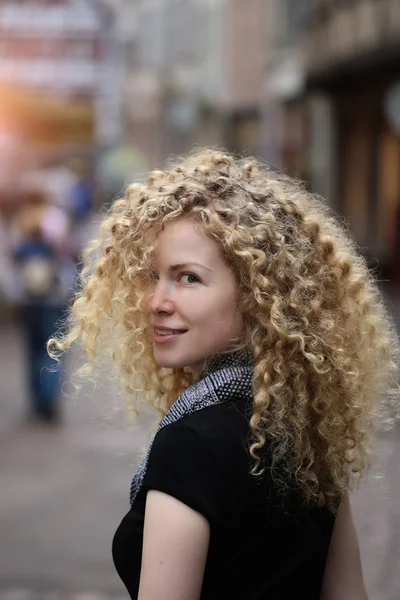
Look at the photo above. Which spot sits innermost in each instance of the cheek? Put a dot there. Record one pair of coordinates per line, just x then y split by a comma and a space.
230, 313
222, 313
148, 294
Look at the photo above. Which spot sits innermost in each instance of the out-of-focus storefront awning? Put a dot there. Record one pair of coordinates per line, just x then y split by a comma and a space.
44, 120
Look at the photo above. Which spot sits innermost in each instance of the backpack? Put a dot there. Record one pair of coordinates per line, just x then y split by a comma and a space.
38, 270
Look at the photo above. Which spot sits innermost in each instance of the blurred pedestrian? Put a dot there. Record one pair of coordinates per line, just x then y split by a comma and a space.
43, 273
238, 307
81, 194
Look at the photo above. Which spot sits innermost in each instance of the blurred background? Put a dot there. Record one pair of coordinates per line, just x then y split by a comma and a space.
93, 93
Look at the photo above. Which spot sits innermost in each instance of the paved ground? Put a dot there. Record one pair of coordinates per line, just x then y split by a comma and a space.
63, 493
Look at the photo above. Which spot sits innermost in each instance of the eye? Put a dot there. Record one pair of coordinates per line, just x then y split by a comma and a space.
189, 278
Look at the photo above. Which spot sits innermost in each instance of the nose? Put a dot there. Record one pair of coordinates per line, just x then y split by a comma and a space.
160, 300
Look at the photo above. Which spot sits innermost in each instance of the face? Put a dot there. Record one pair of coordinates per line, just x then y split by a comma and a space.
193, 301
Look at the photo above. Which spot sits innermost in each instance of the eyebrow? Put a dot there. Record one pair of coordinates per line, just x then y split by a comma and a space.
183, 265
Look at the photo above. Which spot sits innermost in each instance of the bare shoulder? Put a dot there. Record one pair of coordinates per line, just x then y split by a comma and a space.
175, 546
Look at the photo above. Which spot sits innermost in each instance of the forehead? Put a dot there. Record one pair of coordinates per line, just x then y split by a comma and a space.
182, 240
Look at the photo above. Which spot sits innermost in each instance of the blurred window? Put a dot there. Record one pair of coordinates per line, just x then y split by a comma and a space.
295, 18
287, 20
81, 49
151, 35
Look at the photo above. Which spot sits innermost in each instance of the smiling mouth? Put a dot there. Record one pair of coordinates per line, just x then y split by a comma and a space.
168, 331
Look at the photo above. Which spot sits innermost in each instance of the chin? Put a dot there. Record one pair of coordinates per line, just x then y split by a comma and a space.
166, 363
170, 362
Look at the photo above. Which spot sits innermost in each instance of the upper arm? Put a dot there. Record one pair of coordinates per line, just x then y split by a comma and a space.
175, 547
187, 495
343, 573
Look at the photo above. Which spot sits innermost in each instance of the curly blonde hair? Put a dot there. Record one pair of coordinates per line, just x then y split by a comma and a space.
325, 348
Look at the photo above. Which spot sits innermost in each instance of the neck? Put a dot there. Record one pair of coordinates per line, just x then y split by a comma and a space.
196, 371
220, 361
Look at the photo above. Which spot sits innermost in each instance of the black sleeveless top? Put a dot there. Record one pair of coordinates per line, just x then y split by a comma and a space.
262, 545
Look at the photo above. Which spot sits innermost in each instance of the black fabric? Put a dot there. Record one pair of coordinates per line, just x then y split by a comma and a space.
224, 377
262, 546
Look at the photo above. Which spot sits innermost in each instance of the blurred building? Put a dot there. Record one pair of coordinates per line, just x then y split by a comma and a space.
195, 73
284, 109
331, 109
352, 55
58, 80
297, 126
233, 48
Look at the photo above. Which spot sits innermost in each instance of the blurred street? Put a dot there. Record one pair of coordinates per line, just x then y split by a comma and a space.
64, 491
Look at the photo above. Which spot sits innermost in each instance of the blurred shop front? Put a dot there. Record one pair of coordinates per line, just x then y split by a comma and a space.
353, 51
46, 122
44, 131
59, 109
56, 73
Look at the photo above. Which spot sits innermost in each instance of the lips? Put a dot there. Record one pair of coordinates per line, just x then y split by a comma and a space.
166, 335
167, 331
162, 330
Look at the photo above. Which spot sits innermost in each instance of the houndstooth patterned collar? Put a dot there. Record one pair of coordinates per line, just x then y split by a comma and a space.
225, 376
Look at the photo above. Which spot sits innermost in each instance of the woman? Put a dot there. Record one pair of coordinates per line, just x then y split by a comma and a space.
233, 303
